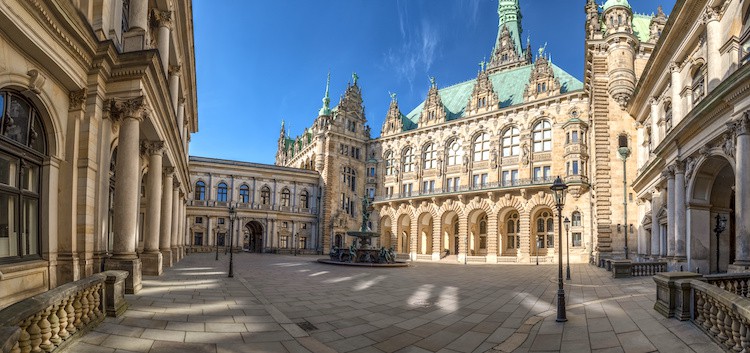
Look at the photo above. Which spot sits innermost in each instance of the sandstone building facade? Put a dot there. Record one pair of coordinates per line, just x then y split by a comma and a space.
276, 207
97, 102
468, 171
692, 113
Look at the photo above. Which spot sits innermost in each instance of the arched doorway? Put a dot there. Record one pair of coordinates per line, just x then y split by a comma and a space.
477, 238
253, 239
424, 234
403, 243
450, 239
511, 233
385, 232
712, 194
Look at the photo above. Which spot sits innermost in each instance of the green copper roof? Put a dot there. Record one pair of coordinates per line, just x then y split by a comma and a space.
288, 142
509, 86
611, 3
641, 24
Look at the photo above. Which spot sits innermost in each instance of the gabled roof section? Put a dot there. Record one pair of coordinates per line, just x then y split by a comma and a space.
508, 85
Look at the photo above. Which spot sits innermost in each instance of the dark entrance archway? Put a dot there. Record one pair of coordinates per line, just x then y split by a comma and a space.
253, 237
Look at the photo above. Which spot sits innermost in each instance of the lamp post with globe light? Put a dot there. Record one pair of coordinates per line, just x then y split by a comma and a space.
559, 188
232, 216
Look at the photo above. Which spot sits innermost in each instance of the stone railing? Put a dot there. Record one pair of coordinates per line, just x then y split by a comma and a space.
719, 312
736, 283
51, 320
647, 268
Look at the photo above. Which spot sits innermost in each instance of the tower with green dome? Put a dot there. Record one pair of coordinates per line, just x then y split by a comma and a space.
508, 51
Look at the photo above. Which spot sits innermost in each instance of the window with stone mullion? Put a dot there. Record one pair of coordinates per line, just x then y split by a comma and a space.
542, 136
482, 148
429, 157
511, 142
455, 153
408, 161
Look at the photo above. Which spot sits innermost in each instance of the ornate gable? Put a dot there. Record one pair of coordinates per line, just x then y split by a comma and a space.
433, 111
483, 97
542, 81
350, 104
657, 25
393, 123
506, 55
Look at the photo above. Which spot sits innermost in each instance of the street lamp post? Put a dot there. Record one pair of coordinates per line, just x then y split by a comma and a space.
216, 240
567, 246
559, 188
232, 216
721, 225
624, 152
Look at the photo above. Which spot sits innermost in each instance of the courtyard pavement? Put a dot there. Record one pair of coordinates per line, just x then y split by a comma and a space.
292, 304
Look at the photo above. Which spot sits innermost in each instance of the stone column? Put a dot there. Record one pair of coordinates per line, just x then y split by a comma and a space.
130, 112
151, 257
136, 37
674, 68
669, 175
655, 136
163, 20
680, 216
165, 240
181, 228
742, 194
174, 86
655, 227
713, 43
174, 217
181, 118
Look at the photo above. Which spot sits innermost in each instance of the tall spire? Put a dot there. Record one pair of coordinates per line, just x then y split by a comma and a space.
326, 100
509, 12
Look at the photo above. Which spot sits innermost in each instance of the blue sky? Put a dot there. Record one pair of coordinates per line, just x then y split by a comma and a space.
259, 62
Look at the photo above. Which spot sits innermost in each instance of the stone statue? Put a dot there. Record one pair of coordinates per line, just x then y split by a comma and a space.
493, 159
689, 168
466, 163
525, 153
365, 214
728, 145
432, 81
440, 165
352, 253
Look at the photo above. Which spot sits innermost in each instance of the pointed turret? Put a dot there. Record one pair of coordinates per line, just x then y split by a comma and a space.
593, 26
393, 123
657, 25
483, 97
542, 81
326, 110
508, 51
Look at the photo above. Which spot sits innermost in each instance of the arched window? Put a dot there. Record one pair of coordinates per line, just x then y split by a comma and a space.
285, 197
244, 193
512, 229
221, 192
483, 232
389, 163
200, 190
22, 150
576, 219
542, 135
482, 147
349, 177
699, 83
407, 160
511, 142
265, 195
429, 156
545, 231
455, 152
303, 199
668, 116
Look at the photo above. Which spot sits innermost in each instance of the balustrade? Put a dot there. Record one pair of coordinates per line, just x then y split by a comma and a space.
47, 321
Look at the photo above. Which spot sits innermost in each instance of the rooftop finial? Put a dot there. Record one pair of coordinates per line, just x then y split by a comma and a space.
393, 96
326, 110
355, 77
432, 81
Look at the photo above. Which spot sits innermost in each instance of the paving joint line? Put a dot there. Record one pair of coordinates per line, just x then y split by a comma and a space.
299, 335
523, 333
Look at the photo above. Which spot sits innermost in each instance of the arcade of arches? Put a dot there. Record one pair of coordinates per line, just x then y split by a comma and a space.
512, 229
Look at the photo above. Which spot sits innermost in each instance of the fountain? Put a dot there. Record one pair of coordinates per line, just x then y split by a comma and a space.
361, 252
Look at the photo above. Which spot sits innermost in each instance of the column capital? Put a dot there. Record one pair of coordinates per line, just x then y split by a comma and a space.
152, 147
674, 66
741, 126
175, 69
169, 171
668, 173
176, 184
653, 101
679, 166
181, 100
123, 108
710, 14
77, 99
162, 18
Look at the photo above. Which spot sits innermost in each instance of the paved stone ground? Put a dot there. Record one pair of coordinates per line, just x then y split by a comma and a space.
293, 304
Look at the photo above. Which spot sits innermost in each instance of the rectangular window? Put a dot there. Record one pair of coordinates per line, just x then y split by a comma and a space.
371, 193
575, 167
576, 239
547, 171
371, 172
550, 241
302, 243
198, 238
198, 220
449, 184
406, 189
574, 137
483, 242
428, 186
485, 176
352, 209
284, 242
475, 182
537, 173
221, 220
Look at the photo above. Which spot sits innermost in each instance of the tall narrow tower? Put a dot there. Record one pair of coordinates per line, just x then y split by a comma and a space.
509, 12
508, 52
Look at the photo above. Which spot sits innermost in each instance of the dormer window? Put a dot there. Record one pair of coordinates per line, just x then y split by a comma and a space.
481, 102
541, 87
431, 115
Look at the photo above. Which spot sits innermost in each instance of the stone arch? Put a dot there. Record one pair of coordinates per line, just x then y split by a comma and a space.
44, 104
253, 231
404, 225
710, 192
386, 224
425, 225
541, 199
509, 237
